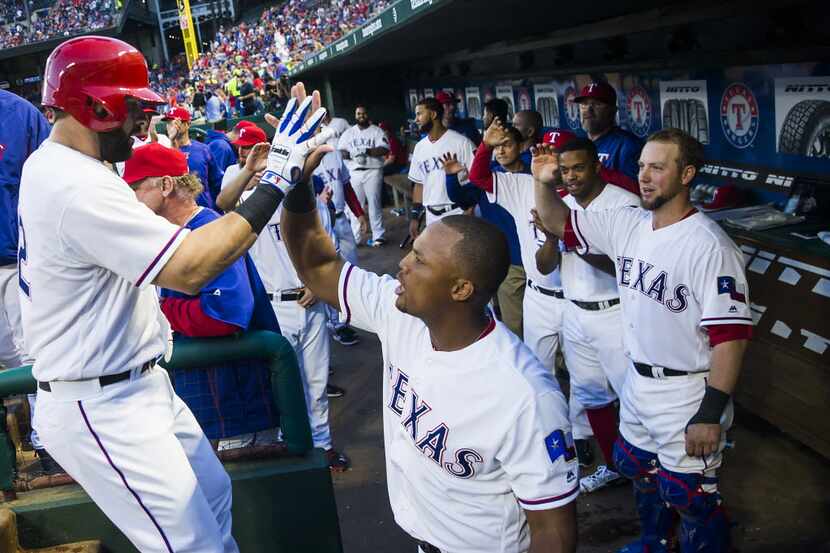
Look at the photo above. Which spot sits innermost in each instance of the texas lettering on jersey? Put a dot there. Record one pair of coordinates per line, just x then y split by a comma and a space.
432, 443
641, 276
431, 164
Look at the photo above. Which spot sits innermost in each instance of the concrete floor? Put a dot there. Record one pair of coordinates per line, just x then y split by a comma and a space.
775, 488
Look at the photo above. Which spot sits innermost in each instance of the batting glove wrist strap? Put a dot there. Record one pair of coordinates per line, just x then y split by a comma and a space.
260, 205
416, 211
711, 408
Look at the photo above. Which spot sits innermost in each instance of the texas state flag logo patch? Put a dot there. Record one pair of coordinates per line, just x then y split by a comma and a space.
727, 285
560, 443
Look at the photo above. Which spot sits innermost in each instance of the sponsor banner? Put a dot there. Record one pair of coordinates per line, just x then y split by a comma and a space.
802, 116
547, 103
523, 99
727, 172
684, 105
640, 111
571, 108
461, 106
505, 92
428, 93
413, 100
739, 115
473, 103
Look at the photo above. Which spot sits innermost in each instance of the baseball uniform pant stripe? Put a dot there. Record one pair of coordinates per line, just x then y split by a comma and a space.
344, 295
123, 478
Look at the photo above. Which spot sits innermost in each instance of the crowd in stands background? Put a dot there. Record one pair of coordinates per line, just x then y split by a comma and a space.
25, 24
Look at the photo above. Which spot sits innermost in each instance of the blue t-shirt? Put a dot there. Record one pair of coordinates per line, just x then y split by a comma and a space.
22, 131
200, 161
470, 195
228, 297
619, 149
223, 151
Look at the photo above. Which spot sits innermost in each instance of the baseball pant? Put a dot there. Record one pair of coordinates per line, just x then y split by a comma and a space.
510, 295
12, 350
367, 187
139, 453
541, 324
654, 413
308, 334
593, 349
580, 425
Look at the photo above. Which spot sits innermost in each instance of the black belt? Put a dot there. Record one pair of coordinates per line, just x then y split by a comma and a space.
108, 379
546, 291
338, 214
596, 305
441, 210
366, 168
288, 295
427, 547
656, 372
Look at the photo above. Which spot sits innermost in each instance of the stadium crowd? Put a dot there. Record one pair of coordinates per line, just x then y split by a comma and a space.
254, 57
63, 18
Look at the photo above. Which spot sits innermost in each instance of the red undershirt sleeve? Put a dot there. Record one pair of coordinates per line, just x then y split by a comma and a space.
187, 317
480, 174
351, 199
719, 334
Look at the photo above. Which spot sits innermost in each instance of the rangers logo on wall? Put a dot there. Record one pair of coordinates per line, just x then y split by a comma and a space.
739, 115
638, 105
571, 108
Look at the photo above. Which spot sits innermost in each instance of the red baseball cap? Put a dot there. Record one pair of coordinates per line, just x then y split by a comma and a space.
558, 137
179, 113
445, 97
243, 123
154, 160
250, 135
603, 92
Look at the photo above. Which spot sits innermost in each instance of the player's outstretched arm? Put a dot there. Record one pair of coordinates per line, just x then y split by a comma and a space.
309, 245
210, 249
553, 212
553, 530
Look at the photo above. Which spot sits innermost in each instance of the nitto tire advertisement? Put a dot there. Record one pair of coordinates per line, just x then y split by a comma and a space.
683, 105
505, 92
547, 103
802, 116
473, 102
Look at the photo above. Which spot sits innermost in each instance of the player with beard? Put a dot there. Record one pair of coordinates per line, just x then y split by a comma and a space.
89, 256
363, 147
686, 324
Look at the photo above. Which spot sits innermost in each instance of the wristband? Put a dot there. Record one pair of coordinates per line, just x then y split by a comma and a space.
260, 205
711, 408
416, 211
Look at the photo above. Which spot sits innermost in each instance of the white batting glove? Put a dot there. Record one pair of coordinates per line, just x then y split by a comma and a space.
294, 140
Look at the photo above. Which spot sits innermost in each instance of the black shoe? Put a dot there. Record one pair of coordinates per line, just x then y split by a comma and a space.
334, 391
345, 336
48, 465
584, 453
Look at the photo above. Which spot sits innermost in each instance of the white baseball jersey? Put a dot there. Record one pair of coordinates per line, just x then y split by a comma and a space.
426, 168
89, 251
515, 193
356, 140
271, 256
340, 126
581, 280
673, 282
332, 172
230, 173
463, 461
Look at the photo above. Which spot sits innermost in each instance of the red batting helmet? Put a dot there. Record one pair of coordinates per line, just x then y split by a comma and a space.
90, 69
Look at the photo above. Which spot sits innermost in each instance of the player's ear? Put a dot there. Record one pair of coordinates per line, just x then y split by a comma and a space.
167, 186
463, 290
687, 175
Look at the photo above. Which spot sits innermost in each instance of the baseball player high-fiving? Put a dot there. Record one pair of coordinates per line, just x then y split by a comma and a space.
487, 466
89, 252
686, 323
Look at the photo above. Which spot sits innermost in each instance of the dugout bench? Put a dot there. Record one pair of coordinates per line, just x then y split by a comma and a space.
280, 505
